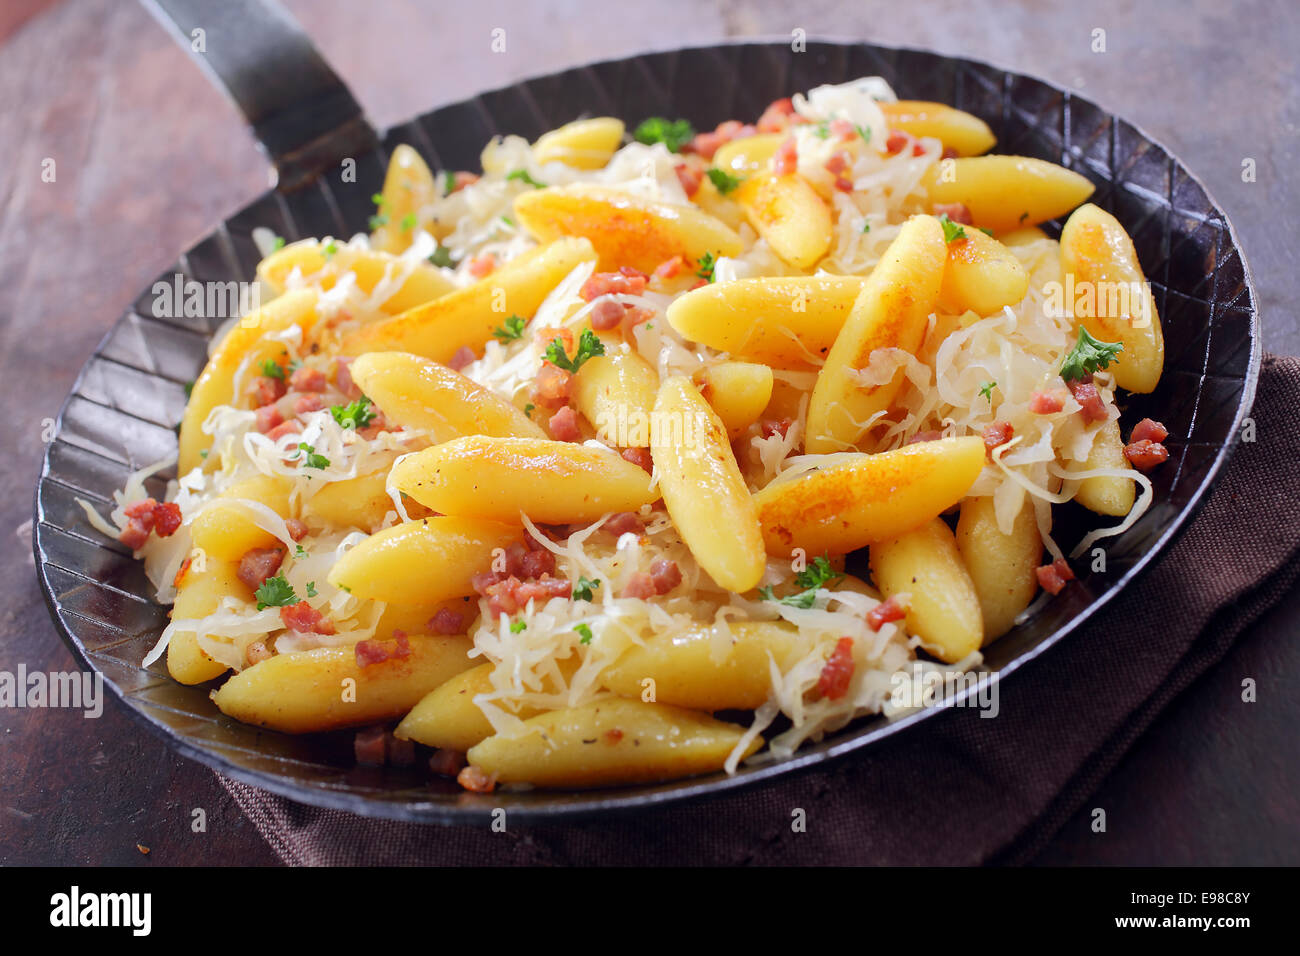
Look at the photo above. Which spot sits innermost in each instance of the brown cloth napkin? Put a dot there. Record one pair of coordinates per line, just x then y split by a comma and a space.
957, 789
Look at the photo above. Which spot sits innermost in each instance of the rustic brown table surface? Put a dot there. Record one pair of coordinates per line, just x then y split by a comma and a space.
148, 156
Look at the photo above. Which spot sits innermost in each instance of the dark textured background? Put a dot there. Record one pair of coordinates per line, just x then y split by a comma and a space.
149, 156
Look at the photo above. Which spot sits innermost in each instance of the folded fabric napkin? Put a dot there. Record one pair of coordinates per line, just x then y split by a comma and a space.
956, 789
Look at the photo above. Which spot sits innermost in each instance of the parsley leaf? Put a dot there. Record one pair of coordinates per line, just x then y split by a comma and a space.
707, 263
271, 369
442, 257
517, 626
523, 176
823, 130
585, 631
278, 242
528, 409
313, 460
866, 226
189, 389
724, 181
588, 347
311, 588
299, 551
275, 592
408, 222
1087, 356
330, 248
380, 218
354, 414
511, 329
951, 230
810, 579
987, 390
986, 231
582, 591
377, 221
863, 132
672, 133
448, 182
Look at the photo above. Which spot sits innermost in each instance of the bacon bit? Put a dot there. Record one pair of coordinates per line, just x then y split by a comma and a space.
537, 564
166, 519
1146, 454
640, 457
1149, 430
669, 268
925, 436
665, 574
636, 315
547, 334
305, 619
369, 746
343, 379
1048, 402
553, 386
838, 161
462, 357
266, 390
623, 522
476, 781
786, 158
844, 130
955, 211
889, 610
268, 418
297, 529
183, 570
776, 426
480, 267
1052, 577
999, 433
896, 141
512, 595
291, 427
378, 424
134, 535
401, 753
631, 272
607, 314
447, 621
461, 180
698, 284
447, 763
373, 651
843, 185
837, 673
640, 585
307, 380
563, 425
948, 153
307, 403
690, 178
918, 149
777, 117
1093, 409
148, 516
706, 144
257, 652
613, 283
142, 510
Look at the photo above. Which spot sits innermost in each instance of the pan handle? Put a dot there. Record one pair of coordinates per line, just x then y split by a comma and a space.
304, 117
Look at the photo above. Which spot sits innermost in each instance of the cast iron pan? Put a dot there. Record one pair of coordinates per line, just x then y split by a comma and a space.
131, 392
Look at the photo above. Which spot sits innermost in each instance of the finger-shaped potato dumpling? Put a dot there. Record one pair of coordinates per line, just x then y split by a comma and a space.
1097, 251
582, 144
747, 155
738, 392
318, 265
326, 688
448, 718
960, 131
1001, 566
626, 230
408, 187
424, 561
687, 672
782, 321
892, 311
226, 530
616, 393
703, 488
943, 608
850, 505
467, 317
788, 213
634, 742
245, 340
198, 593
422, 394
1107, 495
554, 482
981, 275
360, 502
1005, 192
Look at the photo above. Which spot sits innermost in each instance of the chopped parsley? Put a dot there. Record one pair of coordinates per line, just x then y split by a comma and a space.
585, 631
866, 226
672, 133
582, 591
275, 592
528, 409
277, 242
330, 249
312, 460
311, 588
951, 231
380, 218
724, 181
511, 329
863, 132
523, 176
508, 221
299, 551
442, 257
987, 390
707, 264
810, 579
448, 182
189, 389
986, 230
408, 222
354, 414
271, 369
823, 130
589, 346
517, 626
1087, 356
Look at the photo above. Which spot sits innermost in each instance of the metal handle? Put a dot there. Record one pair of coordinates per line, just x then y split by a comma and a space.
304, 117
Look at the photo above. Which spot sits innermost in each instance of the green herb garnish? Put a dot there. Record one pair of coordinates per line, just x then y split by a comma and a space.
585, 631
517, 626
951, 231
724, 181
277, 242
589, 346
442, 257
311, 588
672, 133
313, 460
582, 591
810, 579
707, 264
523, 176
271, 369
354, 414
511, 329
275, 592
987, 390
1087, 356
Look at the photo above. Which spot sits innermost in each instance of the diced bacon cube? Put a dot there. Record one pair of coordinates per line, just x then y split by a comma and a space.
1146, 454
343, 379
480, 267
447, 621
1149, 430
999, 433
376, 652
307, 379
669, 268
304, 404
690, 178
1092, 408
264, 390
955, 211
268, 417
786, 158
291, 427
297, 529
889, 610
553, 386
1053, 577
1047, 402
665, 574
462, 357
563, 425
259, 564
640, 585
640, 457
166, 518
305, 619
837, 672
607, 314
777, 117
